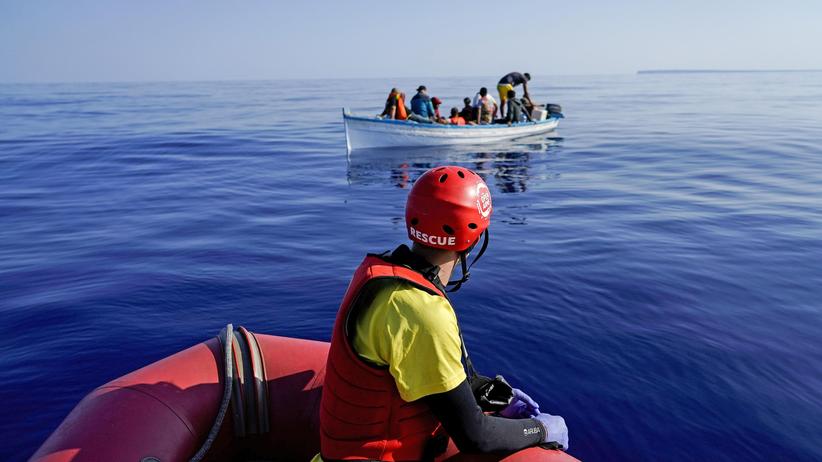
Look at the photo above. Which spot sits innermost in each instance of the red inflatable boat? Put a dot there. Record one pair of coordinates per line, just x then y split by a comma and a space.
182, 408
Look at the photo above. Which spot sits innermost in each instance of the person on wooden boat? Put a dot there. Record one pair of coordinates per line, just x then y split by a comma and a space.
395, 381
485, 107
516, 112
436, 102
455, 118
395, 106
467, 111
422, 110
507, 83
528, 105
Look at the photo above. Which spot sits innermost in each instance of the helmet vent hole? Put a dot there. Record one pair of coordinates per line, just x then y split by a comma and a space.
414, 221
459, 172
448, 229
472, 225
443, 178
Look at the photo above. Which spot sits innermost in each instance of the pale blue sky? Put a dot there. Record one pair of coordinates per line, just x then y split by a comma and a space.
117, 40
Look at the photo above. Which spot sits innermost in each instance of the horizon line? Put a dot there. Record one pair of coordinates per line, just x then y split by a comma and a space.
721, 71
282, 79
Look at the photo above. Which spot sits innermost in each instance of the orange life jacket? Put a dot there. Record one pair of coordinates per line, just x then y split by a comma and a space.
401, 114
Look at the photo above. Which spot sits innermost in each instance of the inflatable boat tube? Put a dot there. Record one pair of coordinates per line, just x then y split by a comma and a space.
166, 411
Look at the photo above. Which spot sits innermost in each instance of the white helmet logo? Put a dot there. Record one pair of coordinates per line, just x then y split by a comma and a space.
483, 200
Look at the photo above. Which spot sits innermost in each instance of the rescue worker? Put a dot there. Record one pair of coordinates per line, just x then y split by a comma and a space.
395, 384
507, 83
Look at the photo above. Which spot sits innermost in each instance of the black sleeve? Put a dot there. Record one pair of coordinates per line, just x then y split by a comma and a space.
474, 431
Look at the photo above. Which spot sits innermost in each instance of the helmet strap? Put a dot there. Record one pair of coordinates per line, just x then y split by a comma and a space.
466, 268
465, 274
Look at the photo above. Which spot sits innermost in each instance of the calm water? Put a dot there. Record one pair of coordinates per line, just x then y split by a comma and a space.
654, 274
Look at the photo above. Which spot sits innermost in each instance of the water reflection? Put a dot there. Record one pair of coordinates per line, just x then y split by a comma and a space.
509, 170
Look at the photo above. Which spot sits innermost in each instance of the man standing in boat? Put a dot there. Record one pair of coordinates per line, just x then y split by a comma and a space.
395, 370
507, 83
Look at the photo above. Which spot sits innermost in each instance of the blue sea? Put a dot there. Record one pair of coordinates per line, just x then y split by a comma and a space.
654, 273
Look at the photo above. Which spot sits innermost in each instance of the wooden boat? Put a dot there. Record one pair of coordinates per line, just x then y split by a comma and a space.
238, 397
373, 132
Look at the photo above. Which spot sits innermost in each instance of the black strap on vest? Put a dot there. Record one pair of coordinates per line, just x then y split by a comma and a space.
403, 256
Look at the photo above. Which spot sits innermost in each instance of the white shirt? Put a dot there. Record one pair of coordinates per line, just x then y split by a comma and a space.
478, 100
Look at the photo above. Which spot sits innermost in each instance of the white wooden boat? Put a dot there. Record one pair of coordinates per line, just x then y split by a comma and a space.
373, 132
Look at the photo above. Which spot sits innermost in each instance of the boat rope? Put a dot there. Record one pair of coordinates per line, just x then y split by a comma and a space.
228, 342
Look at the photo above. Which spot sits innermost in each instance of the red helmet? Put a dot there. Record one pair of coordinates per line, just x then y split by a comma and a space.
448, 208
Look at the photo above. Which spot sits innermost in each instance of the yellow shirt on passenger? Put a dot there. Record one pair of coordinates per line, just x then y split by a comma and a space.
416, 335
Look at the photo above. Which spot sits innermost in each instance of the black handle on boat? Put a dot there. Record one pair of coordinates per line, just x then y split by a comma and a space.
227, 339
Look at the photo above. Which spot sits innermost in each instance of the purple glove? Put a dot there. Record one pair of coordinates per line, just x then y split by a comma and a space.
521, 406
555, 429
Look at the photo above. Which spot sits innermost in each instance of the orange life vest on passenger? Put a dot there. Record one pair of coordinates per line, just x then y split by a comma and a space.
362, 415
401, 114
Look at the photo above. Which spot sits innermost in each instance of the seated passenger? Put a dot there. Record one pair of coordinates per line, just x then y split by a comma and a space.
422, 110
436, 102
527, 105
467, 111
455, 118
485, 106
515, 112
395, 106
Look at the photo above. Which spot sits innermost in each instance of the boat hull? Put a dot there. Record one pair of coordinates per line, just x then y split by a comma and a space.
367, 132
164, 411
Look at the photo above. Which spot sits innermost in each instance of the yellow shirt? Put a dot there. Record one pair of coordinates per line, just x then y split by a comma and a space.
415, 334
